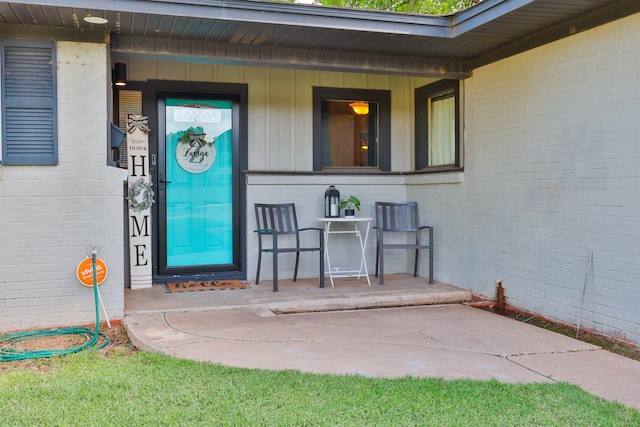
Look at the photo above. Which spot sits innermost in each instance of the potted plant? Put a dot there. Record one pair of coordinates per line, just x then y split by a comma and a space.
350, 206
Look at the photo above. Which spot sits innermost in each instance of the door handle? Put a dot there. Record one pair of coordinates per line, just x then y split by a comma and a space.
165, 182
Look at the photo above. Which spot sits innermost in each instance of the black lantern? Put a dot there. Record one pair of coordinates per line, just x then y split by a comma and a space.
331, 200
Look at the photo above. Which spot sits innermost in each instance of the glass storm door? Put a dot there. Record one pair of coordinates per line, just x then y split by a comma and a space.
197, 225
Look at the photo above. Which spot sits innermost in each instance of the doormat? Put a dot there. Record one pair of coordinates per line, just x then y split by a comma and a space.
202, 286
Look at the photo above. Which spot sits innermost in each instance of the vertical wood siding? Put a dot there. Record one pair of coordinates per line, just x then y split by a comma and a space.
280, 107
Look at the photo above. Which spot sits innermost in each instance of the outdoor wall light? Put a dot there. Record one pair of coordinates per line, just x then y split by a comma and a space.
120, 74
360, 107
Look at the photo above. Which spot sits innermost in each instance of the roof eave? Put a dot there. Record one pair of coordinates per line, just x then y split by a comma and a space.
274, 13
606, 14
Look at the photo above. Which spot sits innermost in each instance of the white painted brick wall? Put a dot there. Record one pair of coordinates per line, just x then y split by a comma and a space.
552, 172
52, 216
307, 192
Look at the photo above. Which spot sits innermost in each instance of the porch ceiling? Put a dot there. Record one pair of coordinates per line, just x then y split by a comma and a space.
315, 37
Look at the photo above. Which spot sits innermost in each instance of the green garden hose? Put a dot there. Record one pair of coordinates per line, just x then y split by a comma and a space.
9, 353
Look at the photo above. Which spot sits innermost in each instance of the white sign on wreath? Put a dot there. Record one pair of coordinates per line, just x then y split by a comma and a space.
194, 153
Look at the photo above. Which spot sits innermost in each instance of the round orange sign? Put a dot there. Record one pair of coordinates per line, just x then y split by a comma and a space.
85, 271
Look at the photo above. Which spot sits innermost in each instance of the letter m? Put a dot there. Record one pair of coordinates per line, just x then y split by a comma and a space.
137, 229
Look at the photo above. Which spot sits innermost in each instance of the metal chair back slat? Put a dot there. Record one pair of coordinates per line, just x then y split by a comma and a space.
275, 220
400, 218
281, 218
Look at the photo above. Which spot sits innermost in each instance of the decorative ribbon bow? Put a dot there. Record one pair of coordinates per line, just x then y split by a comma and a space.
138, 122
197, 138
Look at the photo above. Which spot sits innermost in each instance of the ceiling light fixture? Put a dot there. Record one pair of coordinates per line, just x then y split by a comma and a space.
360, 107
95, 19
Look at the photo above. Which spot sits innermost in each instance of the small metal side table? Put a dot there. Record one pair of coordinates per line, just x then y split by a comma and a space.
355, 221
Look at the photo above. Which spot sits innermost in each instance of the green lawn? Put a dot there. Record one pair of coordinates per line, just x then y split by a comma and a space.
149, 389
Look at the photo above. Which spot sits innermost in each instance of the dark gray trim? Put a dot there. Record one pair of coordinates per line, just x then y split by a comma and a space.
280, 57
483, 13
422, 119
382, 97
350, 172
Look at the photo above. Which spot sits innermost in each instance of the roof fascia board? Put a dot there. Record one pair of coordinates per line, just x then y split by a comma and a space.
603, 15
483, 13
264, 56
273, 13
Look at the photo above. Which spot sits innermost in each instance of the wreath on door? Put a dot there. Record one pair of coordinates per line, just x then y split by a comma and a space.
194, 153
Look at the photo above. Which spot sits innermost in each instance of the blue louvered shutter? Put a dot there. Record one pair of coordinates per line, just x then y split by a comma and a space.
29, 113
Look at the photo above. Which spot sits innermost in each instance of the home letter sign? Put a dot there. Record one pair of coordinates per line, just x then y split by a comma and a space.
140, 198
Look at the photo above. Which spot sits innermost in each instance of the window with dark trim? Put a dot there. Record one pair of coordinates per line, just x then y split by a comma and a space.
29, 110
351, 129
438, 126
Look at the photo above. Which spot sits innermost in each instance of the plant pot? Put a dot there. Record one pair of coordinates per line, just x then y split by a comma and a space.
349, 213
117, 135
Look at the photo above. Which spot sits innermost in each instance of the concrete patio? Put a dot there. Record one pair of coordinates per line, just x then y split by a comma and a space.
408, 328
300, 296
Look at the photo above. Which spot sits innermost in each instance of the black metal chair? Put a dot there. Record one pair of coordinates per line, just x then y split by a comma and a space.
400, 218
277, 220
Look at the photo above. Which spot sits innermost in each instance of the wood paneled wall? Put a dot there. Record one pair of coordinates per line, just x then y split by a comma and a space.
280, 106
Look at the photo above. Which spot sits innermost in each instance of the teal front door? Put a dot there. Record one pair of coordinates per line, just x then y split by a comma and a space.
198, 186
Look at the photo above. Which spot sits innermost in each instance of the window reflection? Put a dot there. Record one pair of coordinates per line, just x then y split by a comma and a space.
349, 139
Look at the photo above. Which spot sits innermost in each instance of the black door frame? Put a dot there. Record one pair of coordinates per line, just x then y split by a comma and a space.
152, 90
